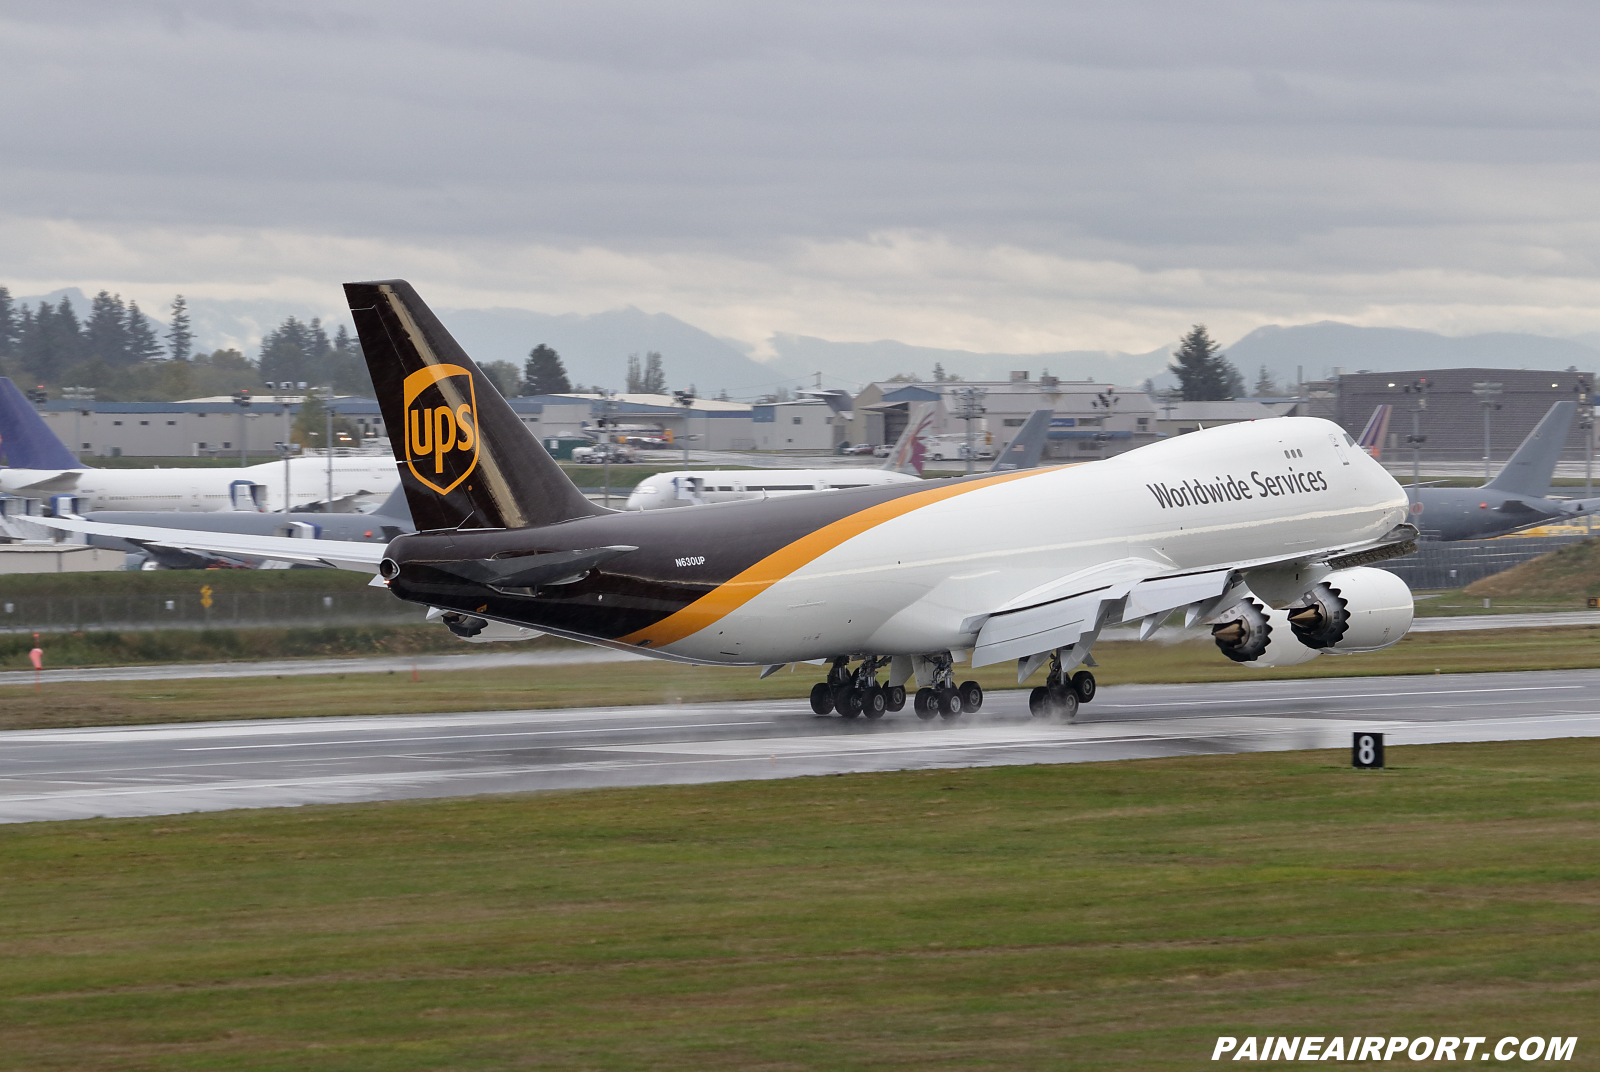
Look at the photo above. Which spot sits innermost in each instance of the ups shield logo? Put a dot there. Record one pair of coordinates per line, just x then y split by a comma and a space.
441, 433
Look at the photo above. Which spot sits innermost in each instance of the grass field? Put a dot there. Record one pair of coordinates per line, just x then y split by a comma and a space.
1094, 916
119, 702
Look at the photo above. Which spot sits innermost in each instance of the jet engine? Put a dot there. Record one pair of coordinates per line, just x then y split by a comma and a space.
1361, 609
1257, 635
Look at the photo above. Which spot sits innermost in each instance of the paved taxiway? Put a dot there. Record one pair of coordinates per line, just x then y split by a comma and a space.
154, 770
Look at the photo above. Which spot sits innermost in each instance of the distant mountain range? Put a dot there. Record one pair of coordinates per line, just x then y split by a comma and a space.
595, 349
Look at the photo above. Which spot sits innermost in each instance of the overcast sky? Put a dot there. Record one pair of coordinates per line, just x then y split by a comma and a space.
991, 176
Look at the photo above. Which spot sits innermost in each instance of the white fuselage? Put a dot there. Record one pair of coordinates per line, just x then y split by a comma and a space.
909, 583
699, 487
198, 490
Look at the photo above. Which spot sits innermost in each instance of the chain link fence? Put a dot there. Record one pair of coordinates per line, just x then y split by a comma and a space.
188, 610
1458, 564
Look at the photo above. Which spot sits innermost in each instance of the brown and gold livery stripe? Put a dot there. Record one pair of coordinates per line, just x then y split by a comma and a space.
745, 586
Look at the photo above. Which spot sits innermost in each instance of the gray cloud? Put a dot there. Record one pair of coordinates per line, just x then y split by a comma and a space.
1331, 144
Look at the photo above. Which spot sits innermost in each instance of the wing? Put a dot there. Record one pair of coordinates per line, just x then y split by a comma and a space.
1078, 606
340, 554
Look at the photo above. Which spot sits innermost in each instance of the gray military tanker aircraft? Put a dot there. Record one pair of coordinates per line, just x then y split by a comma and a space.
1267, 530
1517, 498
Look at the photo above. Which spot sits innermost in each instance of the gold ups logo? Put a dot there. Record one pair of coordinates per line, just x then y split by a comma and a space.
441, 433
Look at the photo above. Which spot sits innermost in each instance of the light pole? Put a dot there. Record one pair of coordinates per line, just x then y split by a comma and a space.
1585, 390
608, 403
1416, 438
969, 409
1487, 392
241, 398
1106, 400
686, 400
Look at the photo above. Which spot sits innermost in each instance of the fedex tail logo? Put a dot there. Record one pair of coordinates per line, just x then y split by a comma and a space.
441, 432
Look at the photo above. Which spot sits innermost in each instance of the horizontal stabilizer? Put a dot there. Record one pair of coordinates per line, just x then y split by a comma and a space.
339, 554
531, 571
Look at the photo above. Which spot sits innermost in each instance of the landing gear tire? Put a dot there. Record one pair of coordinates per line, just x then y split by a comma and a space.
1039, 702
822, 699
895, 697
949, 703
926, 704
873, 702
971, 696
1064, 703
1083, 684
847, 702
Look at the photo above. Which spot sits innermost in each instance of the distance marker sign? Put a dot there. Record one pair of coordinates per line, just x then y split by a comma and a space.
1366, 751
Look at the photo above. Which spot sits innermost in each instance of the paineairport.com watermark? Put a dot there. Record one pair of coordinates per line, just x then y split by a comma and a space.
1394, 1048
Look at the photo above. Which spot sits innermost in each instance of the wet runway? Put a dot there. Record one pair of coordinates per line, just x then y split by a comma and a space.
155, 770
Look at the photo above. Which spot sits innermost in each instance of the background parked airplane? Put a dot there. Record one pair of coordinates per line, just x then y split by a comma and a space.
688, 487
38, 465
1517, 498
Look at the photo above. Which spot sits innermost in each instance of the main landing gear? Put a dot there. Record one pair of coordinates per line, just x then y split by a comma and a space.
853, 693
1060, 695
856, 692
945, 698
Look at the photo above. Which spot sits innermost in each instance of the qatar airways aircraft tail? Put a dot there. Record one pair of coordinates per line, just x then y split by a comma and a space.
909, 452
26, 442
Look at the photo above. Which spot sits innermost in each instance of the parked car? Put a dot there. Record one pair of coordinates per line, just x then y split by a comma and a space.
862, 448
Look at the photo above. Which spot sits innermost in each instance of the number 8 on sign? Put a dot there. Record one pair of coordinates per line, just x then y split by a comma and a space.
1366, 752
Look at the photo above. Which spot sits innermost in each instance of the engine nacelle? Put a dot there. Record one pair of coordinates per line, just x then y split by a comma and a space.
1361, 609
1256, 635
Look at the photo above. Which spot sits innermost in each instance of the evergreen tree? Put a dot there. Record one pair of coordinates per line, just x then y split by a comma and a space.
180, 339
8, 324
655, 378
634, 378
938, 372
544, 374
1265, 386
503, 374
1204, 374
142, 342
105, 333
50, 341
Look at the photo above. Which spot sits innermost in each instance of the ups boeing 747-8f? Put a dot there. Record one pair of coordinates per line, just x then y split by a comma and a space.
1265, 531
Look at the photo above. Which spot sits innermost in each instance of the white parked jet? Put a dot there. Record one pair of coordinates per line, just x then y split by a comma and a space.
688, 487
39, 466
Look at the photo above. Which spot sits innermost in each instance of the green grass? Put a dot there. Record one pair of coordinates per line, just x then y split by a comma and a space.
1456, 602
156, 646
131, 702
1094, 916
